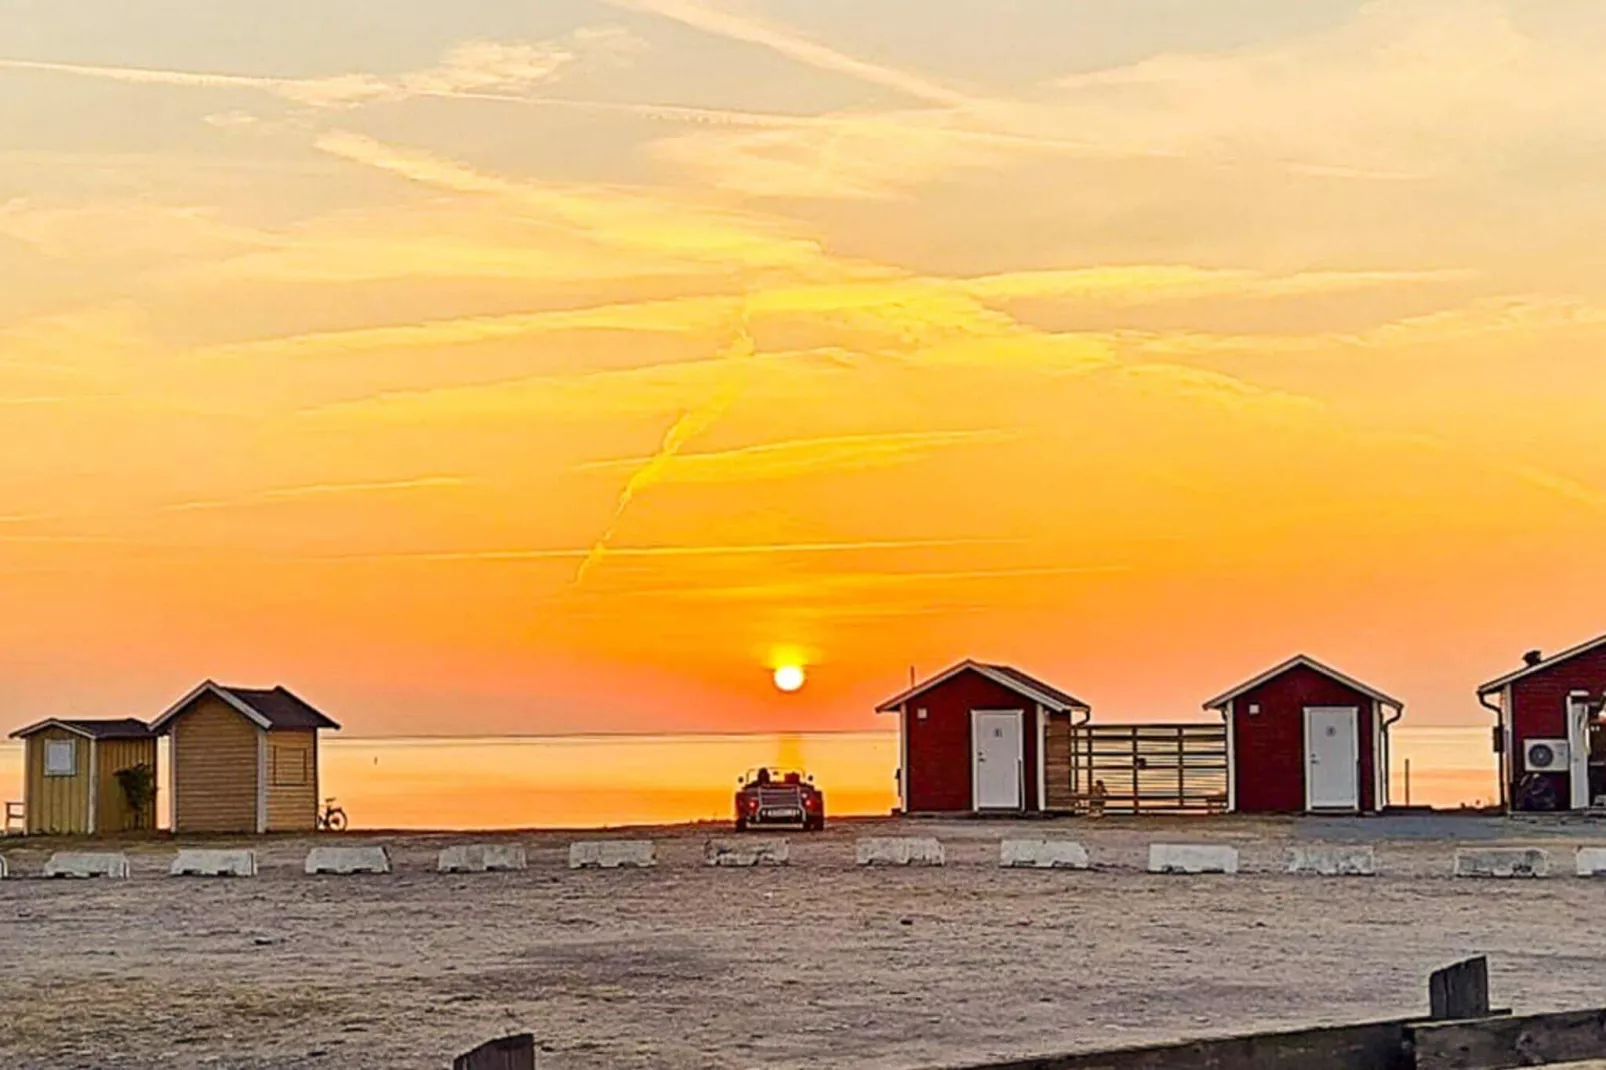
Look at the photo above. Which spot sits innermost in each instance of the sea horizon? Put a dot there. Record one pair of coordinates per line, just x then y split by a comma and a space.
608, 779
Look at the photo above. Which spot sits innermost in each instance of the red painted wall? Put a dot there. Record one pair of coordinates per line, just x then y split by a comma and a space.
1539, 710
939, 747
1269, 748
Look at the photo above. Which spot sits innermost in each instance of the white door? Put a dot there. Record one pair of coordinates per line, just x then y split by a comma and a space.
996, 769
1332, 758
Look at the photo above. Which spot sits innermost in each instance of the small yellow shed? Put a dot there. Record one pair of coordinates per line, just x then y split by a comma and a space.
70, 776
243, 760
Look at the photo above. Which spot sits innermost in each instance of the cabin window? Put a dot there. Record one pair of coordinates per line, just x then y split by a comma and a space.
289, 767
61, 757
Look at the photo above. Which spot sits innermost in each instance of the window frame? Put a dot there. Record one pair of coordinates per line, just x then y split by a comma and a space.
52, 747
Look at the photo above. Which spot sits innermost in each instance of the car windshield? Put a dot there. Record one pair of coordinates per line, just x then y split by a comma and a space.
772, 775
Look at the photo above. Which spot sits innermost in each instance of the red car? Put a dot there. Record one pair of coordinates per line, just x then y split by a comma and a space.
773, 797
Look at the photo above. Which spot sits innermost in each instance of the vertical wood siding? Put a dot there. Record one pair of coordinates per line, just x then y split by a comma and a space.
1057, 786
57, 804
113, 812
292, 780
1269, 747
214, 759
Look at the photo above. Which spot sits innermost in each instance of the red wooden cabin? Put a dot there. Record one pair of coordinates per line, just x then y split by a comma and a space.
1303, 737
1551, 734
973, 739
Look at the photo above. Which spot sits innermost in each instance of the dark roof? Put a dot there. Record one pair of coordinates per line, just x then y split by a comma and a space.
281, 707
1303, 661
1004, 675
1544, 664
123, 728
268, 708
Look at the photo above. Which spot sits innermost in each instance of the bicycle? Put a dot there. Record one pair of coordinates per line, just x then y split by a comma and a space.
331, 818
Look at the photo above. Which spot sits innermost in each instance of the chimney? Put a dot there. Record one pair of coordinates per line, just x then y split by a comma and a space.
1533, 657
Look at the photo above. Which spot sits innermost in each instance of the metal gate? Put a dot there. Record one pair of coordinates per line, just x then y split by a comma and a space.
1149, 768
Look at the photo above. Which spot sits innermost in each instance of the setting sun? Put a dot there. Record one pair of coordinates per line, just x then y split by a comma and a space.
789, 677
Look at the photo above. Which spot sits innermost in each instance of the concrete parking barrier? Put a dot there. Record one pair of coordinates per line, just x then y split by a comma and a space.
1042, 854
483, 858
87, 864
613, 854
1192, 858
747, 852
1502, 862
1591, 861
344, 861
1333, 861
900, 851
196, 862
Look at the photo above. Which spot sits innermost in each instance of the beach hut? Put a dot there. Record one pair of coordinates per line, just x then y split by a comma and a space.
86, 777
975, 738
1551, 729
1305, 738
243, 760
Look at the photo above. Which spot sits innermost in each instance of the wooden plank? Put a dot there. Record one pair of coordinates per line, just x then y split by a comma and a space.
1460, 991
1371, 1046
507, 1053
1498, 1043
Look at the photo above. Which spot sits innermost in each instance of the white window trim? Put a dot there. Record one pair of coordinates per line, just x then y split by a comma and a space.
51, 746
1020, 762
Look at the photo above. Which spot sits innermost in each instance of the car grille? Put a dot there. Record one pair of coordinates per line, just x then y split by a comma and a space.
780, 798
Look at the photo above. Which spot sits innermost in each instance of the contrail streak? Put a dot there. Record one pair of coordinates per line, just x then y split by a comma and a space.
689, 426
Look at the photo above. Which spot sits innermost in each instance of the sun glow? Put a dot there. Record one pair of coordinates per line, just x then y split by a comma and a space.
789, 677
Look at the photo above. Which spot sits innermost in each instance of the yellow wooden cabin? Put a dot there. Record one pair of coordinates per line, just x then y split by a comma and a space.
70, 782
243, 760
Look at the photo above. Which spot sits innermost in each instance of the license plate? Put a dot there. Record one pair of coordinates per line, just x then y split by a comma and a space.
783, 813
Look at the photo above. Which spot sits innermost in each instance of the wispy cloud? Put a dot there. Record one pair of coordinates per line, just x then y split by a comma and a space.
1152, 283
798, 457
804, 50
631, 219
276, 495
772, 549
475, 69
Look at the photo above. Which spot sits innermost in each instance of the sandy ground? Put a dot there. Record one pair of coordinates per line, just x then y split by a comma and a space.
820, 964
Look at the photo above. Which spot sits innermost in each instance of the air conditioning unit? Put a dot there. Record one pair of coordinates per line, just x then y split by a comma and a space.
1545, 755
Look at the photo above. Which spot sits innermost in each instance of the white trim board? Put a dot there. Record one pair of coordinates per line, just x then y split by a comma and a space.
262, 781
903, 759
1042, 760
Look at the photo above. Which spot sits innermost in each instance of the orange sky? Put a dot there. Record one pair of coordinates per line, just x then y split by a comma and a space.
565, 366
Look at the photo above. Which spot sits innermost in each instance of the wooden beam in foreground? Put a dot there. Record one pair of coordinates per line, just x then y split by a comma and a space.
508, 1053
1500, 1043
1373, 1046
1461, 991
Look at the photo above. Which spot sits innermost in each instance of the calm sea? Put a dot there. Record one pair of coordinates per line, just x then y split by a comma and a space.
596, 781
